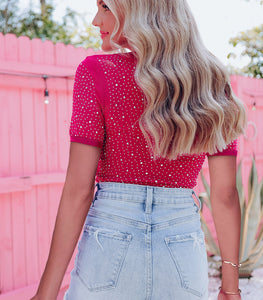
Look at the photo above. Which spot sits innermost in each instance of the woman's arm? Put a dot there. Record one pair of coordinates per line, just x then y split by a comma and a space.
74, 204
226, 214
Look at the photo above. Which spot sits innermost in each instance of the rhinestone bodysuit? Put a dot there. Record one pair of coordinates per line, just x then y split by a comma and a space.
107, 105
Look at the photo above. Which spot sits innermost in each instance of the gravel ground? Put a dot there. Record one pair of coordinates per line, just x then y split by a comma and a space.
252, 289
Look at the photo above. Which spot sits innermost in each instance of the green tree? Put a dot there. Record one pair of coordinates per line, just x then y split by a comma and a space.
8, 16
72, 30
252, 43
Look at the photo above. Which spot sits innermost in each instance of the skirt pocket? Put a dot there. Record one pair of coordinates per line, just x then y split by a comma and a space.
188, 253
101, 255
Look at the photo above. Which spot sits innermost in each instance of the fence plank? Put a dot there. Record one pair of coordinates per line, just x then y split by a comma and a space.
31, 237
18, 224
15, 134
63, 129
24, 49
6, 245
49, 53
60, 54
11, 47
52, 139
72, 60
28, 131
41, 132
37, 51
43, 225
4, 133
2, 48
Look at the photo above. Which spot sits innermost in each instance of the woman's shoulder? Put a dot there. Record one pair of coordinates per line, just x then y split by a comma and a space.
93, 62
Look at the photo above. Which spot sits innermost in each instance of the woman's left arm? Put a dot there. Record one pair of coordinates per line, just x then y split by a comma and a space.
227, 218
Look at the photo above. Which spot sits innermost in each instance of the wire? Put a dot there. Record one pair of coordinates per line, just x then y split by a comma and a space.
36, 75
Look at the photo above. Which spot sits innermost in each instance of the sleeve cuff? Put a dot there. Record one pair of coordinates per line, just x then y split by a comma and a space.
86, 141
225, 153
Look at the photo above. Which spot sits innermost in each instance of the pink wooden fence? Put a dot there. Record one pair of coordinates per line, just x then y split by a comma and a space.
33, 154
34, 148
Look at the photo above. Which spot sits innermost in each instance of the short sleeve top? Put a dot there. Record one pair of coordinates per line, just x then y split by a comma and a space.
107, 106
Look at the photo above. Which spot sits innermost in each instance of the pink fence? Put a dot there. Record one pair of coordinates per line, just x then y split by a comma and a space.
34, 151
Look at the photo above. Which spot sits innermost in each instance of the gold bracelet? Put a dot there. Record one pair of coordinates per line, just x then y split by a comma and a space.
232, 264
229, 293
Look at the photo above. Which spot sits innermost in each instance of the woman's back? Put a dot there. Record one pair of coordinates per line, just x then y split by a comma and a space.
107, 107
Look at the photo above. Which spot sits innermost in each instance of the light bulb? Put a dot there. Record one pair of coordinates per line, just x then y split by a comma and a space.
46, 96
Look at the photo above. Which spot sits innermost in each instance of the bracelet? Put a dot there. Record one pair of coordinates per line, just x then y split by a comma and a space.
229, 293
232, 264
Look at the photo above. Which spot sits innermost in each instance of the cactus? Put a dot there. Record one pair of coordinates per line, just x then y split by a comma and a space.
251, 239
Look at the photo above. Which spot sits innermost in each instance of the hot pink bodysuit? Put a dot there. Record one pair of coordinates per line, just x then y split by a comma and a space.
107, 105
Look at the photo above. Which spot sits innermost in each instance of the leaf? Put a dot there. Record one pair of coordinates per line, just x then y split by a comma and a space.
207, 188
211, 243
252, 215
253, 180
240, 187
204, 200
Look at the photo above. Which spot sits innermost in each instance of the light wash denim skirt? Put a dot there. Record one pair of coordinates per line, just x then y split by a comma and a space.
140, 243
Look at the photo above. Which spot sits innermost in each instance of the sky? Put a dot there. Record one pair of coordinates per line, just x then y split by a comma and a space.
218, 20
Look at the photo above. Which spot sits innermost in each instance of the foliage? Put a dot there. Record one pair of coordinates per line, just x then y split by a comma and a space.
252, 41
251, 241
8, 16
259, 1
72, 30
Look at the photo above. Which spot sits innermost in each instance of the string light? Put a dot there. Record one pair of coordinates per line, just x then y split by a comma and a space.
46, 92
45, 77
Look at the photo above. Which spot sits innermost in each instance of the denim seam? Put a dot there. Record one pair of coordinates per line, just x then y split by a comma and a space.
179, 220
142, 225
123, 220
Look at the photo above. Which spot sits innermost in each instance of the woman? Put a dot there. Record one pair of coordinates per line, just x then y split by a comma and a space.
142, 123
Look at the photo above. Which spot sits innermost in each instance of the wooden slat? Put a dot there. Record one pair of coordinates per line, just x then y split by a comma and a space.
40, 132
49, 53
31, 237
2, 48
4, 133
60, 54
6, 244
37, 51
63, 129
52, 132
28, 131
24, 49
72, 60
43, 227
18, 225
11, 47
15, 133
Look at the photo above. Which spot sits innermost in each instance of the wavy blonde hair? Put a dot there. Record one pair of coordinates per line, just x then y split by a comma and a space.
190, 105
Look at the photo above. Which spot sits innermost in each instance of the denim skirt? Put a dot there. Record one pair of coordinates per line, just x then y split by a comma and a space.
140, 243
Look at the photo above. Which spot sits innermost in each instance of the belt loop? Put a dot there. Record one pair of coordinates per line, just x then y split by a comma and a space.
199, 201
149, 200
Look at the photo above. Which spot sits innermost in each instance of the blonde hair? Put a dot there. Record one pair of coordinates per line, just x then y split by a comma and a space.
190, 105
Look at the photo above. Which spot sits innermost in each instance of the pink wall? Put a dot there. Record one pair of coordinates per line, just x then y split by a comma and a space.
34, 152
